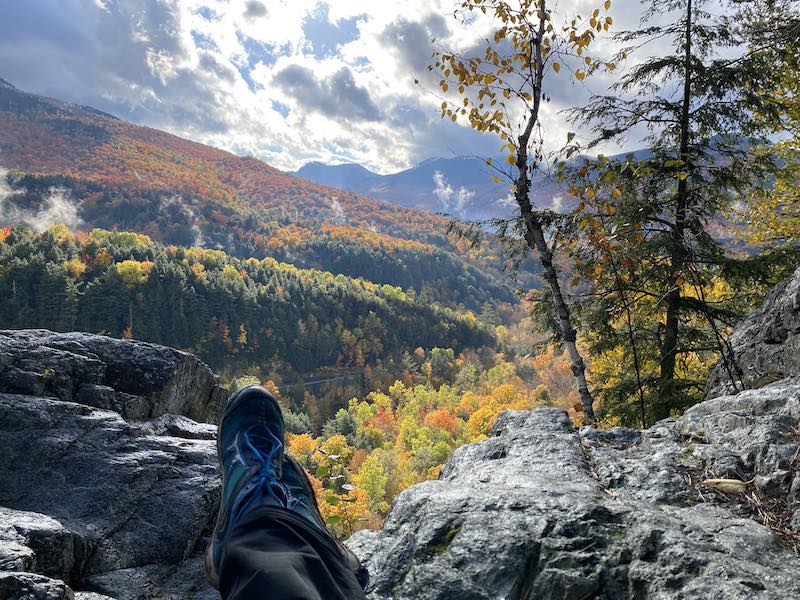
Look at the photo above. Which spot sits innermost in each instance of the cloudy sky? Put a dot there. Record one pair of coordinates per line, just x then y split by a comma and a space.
287, 81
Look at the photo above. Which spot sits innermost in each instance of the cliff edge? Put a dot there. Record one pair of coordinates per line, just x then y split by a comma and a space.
108, 485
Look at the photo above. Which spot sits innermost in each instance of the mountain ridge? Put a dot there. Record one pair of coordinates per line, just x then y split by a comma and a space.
73, 163
460, 186
23, 153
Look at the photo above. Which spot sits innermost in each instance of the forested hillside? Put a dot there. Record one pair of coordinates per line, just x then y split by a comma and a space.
117, 175
233, 313
431, 379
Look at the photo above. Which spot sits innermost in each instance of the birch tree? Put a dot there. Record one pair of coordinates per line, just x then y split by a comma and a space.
500, 90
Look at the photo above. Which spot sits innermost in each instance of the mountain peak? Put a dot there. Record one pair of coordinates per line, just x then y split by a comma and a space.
4, 83
347, 176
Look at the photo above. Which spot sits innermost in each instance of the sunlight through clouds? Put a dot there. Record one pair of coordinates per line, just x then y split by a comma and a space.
285, 81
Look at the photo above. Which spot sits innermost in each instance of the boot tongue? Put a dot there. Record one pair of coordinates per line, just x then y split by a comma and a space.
267, 447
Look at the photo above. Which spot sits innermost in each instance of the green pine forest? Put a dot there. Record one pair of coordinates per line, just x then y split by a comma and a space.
232, 313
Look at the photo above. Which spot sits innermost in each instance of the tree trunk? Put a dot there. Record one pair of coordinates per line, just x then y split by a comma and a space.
669, 347
534, 232
534, 236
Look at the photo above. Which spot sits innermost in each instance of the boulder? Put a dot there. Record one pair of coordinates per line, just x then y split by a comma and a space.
16, 585
134, 498
104, 492
136, 379
87, 493
37, 543
185, 581
542, 510
765, 345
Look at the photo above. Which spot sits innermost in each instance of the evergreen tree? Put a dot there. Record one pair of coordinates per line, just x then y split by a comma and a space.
654, 247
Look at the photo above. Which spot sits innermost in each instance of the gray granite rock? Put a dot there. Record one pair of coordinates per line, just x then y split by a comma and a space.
101, 494
89, 496
135, 498
179, 426
15, 585
38, 543
167, 582
136, 379
541, 510
766, 344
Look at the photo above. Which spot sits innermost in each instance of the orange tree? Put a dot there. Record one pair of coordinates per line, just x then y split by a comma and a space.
499, 90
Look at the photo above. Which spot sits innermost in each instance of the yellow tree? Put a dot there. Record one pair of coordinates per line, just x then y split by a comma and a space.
500, 90
773, 213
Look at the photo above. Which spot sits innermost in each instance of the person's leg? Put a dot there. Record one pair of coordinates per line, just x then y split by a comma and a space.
270, 540
276, 554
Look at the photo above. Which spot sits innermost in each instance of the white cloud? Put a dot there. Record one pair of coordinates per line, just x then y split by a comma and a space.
452, 199
245, 75
161, 65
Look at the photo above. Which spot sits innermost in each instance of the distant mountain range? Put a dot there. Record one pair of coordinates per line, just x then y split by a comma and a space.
460, 187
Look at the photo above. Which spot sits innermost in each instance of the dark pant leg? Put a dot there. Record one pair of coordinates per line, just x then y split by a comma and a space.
274, 554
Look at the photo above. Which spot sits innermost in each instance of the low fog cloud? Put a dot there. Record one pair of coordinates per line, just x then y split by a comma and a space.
57, 207
450, 197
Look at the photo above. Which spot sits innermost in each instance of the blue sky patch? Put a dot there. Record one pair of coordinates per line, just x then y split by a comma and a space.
325, 37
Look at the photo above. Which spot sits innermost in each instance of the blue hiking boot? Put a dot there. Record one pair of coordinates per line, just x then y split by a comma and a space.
303, 501
302, 498
250, 442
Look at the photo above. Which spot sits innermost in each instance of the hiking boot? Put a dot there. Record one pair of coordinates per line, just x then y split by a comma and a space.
303, 501
250, 442
302, 498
